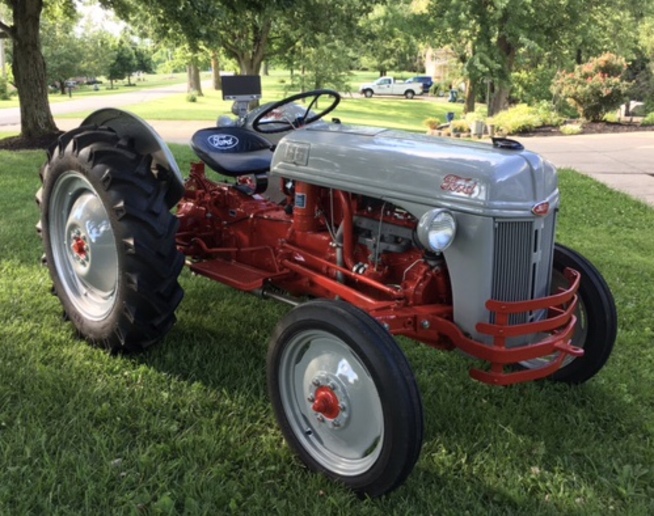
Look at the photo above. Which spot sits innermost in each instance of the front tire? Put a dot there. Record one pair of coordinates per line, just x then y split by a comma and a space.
597, 320
367, 93
109, 240
344, 396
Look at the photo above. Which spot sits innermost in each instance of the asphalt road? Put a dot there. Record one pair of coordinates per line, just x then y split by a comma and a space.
11, 116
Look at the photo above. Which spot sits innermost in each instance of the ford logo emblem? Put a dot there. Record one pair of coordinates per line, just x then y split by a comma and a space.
222, 141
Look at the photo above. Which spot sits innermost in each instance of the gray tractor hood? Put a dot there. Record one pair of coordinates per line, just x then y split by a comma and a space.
418, 172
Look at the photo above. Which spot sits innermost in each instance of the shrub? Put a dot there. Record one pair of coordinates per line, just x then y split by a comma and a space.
4, 89
611, 118
648, 120
432, 122
192, 96
594, 88
548, 114
459, 126
570, 129
518, 119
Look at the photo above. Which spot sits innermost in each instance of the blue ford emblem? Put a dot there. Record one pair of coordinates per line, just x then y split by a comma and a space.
222, 141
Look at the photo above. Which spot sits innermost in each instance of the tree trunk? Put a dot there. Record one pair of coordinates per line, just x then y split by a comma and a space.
29, 70
215, 72
469, 106
193, 76
499, 99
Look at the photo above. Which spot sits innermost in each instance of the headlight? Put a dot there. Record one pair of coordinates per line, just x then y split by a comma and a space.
436, 230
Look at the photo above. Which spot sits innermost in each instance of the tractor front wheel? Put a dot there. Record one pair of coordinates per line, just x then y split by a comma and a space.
345, 397
597, 320
109, 240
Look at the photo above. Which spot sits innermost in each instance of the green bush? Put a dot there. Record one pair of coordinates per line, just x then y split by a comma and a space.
548, 114
594, 88
192, 96
648, 120
518, 119
571, 129
4, 89
459, 126
533, 85
432, 122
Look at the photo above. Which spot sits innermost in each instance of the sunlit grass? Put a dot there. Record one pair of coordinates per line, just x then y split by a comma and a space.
84, 91
186, 428
392, 112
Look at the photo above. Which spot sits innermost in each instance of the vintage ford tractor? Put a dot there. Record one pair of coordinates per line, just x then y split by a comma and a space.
370, 233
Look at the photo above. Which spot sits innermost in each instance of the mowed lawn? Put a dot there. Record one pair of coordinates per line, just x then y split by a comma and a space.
388, 111
187, 428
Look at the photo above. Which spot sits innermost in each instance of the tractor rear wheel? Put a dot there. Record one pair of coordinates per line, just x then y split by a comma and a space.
345, 397
109, 239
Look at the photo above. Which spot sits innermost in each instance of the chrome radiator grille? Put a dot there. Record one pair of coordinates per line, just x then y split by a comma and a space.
522, 261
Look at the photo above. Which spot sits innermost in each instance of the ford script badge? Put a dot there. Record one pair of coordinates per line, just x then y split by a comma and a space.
222, 141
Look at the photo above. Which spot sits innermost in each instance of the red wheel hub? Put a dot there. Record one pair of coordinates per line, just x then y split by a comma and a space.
79, 247
326, 403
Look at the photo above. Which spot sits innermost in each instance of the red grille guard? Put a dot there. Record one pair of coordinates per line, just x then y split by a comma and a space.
429, 326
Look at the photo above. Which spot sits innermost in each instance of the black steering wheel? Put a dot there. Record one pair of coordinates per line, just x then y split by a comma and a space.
282, 124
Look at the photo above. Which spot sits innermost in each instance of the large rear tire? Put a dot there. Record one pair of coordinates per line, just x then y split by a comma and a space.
597, 319
109, 240
345, 397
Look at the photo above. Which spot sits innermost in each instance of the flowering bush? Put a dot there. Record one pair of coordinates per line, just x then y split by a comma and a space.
594, 88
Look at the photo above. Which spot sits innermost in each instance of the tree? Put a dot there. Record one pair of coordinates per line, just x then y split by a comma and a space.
124, 63
61, 51
28, 66
388, 39
498, 30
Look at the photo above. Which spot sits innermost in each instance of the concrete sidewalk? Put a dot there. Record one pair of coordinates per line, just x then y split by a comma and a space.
623, 161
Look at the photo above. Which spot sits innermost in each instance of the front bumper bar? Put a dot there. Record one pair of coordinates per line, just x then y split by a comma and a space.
430, 324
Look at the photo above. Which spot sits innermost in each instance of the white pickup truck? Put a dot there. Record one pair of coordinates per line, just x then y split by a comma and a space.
389, 86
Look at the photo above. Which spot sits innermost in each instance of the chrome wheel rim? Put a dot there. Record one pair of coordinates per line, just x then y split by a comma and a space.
83, 246
331, 402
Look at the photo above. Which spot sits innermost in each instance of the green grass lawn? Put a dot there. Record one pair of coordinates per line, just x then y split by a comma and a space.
82, 91
187, 427
393, 112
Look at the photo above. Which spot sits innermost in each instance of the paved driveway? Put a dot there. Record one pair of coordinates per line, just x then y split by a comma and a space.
623, 161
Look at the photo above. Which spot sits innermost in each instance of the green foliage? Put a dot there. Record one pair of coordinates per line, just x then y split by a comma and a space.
459, 126
387, 39
548, 114
594, 88
532, 84
648, 120
4, 89
518, 119
432, 122
571, 129
192, 96
327, 65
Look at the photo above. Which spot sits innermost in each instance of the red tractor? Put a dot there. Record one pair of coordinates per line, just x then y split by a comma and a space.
370, 233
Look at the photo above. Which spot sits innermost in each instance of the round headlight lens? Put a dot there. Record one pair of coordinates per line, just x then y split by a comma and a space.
436, 230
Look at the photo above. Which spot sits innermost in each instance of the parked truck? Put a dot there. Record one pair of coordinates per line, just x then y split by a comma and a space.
389, 86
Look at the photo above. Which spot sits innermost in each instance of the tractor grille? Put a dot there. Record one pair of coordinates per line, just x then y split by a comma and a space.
522, 261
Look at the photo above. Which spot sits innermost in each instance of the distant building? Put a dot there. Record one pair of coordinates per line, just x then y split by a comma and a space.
439, 63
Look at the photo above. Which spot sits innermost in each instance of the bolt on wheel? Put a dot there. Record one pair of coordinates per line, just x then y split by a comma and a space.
344, 396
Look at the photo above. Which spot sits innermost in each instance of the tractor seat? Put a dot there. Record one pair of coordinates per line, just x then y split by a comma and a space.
233, 151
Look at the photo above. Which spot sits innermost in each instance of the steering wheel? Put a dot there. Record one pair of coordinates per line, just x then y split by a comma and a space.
282, 124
